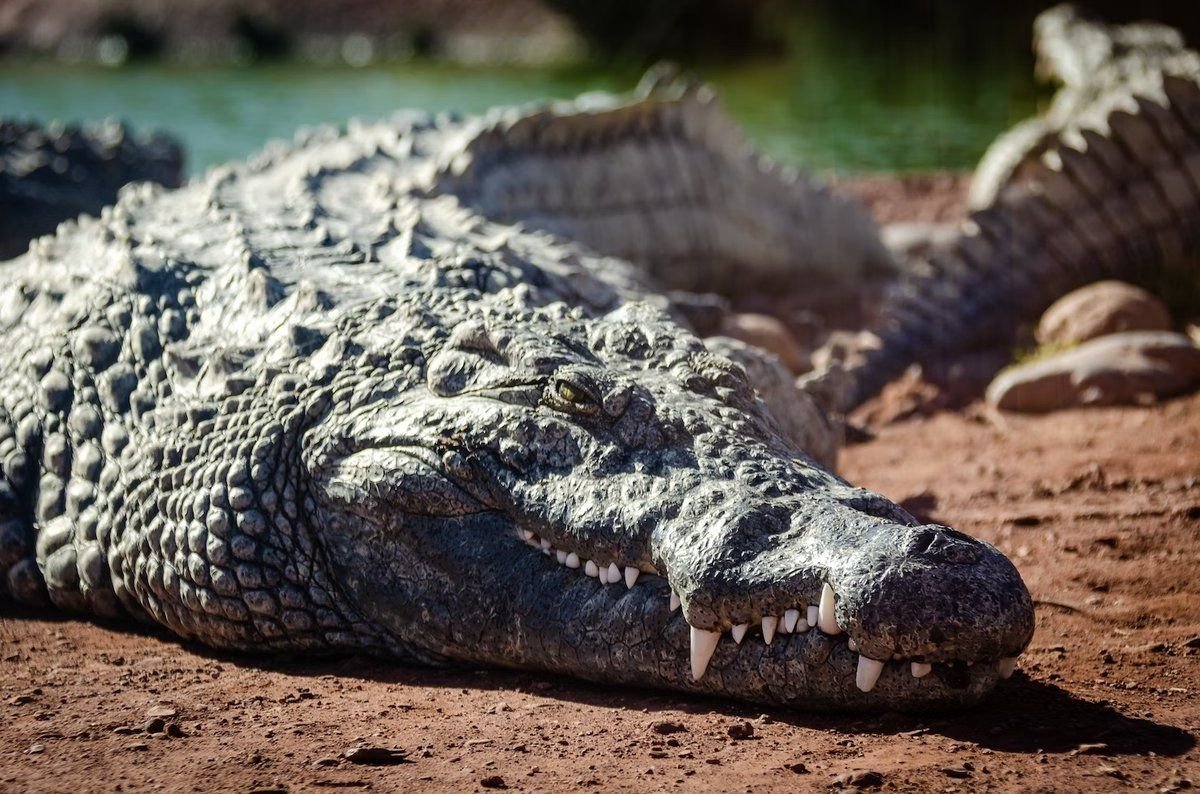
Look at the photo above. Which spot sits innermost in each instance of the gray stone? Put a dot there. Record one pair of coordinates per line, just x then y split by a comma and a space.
1106, 307
1118, 369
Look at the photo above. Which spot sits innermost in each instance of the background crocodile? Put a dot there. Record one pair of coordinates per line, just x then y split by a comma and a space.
49, 174
318, 402
1107, 188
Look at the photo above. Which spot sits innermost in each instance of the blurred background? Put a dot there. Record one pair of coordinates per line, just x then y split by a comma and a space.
837, 85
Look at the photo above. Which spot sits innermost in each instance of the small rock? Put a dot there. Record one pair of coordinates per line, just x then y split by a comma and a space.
35, 749
763, 330
1099, 748
798, 767
1118, 369
174, 731
165, 712
912, 240
859, 779
1100, 309
667, 726
740, 730
1176, 782
137, 747
156, 725
376, 756
494, 781
959, 772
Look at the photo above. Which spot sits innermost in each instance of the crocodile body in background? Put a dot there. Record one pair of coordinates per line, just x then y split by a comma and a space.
1109, 188
52, 173
319, 402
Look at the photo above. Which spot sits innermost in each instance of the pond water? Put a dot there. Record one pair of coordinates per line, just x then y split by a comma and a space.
829, 101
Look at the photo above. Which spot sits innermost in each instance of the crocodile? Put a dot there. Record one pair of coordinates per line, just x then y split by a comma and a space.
1108, 188
51, 173
320, 402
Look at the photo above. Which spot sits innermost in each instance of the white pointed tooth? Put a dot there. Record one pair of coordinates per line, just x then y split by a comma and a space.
868, 674
603, 574
631, 575
790, 618
674, 601
528, 536
739, 631
572, 560
852, 644
769, 624
814, 614
826, 619
703, 645
545, 544
614, 573
1006, 666
802, 625
921, 669
590, 568
561, 556
782, 625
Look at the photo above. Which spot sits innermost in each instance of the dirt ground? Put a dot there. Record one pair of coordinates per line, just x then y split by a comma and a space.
1100, 510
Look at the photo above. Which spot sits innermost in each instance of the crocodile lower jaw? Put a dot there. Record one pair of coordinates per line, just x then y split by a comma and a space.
819, 617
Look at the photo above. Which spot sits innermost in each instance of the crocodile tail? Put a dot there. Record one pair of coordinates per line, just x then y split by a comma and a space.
1115, 197
666, 181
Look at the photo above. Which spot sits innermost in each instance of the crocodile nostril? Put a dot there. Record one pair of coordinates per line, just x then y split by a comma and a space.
945, 544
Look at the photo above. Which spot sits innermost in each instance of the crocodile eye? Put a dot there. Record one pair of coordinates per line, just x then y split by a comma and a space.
571, 395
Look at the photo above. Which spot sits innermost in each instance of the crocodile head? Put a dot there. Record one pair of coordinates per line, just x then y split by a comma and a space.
605, 498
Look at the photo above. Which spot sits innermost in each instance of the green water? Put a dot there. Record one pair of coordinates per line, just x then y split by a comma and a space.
827, 102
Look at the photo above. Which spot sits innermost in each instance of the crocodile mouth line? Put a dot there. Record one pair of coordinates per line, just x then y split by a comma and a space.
801, 619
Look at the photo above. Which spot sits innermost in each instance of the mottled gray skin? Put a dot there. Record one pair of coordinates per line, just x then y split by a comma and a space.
308, 404
1111, 192
50, 174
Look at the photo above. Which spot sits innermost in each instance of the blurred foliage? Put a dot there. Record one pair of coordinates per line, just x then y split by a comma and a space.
701, 30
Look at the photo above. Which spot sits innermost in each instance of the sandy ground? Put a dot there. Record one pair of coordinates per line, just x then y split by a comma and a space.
1100, 510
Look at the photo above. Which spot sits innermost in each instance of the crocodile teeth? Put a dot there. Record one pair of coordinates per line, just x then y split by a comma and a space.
631, 576
921, 669
614, 573
572, 560
814, 614
527, 536
790, 619
868, 673
739, 631
1006, 666
590, 568
561, 556
826, 619
546, 545
852, 644
769, 624
674, 601
704, 643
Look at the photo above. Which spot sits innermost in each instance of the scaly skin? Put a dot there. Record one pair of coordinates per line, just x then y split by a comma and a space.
50, 174
309, 404
1114, 195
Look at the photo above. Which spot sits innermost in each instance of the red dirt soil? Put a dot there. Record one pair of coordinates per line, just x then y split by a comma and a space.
1100, 510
